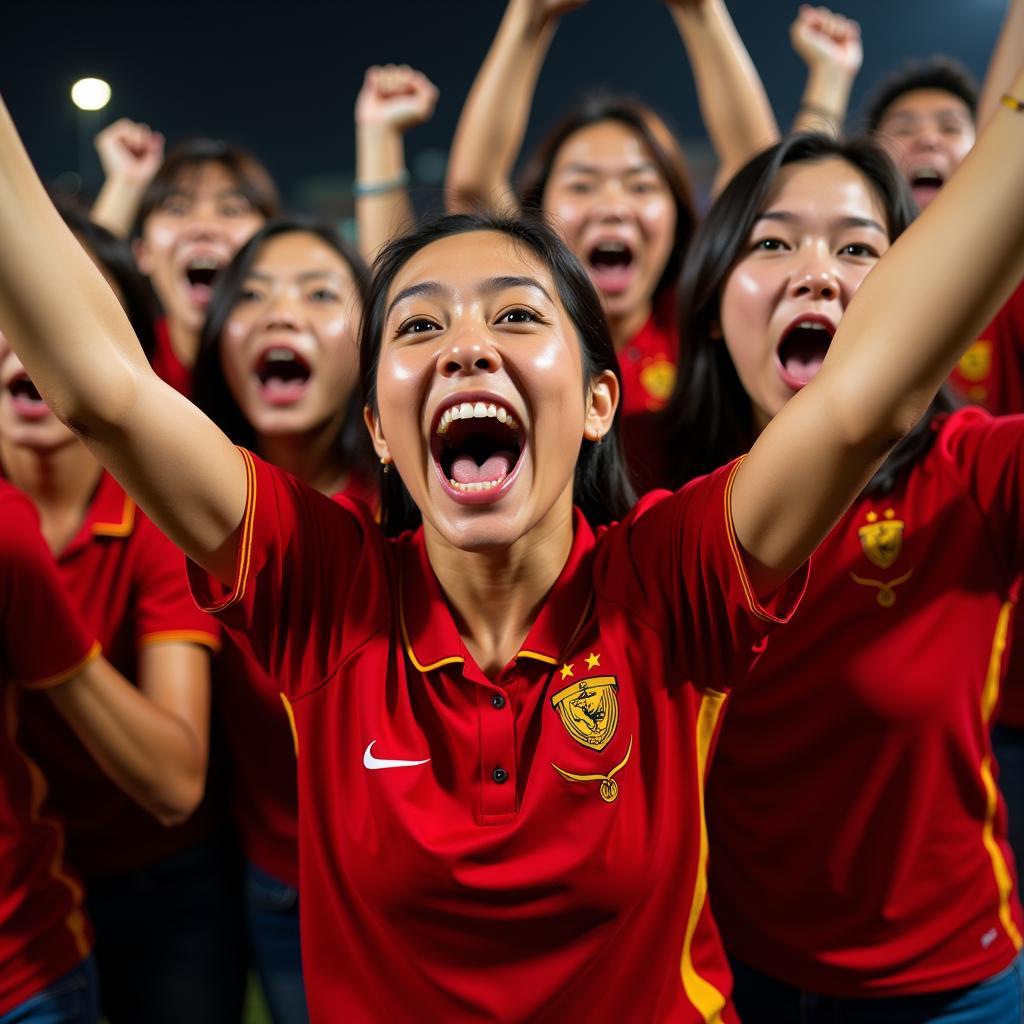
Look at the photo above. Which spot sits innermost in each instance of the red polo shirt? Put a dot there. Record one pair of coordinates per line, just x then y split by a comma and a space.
648, 366
43, 930
128, 583
528, 848
264, 796
858, 839
991, 374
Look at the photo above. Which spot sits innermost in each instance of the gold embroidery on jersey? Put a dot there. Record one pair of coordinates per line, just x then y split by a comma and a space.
609, 788
882, 541
976, 362
589, 710
658, 378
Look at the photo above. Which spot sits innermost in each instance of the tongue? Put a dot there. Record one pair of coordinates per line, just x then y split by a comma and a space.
803, 368
200, 293
497, 467
611, 278
924, 193
283, 392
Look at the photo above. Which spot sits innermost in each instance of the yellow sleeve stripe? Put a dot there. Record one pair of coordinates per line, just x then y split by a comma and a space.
182, 636
244, 541
59, 678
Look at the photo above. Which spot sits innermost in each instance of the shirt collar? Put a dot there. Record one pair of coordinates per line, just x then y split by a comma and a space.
431, 637
111, 513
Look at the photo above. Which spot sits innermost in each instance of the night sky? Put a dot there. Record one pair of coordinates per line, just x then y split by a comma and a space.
282, 79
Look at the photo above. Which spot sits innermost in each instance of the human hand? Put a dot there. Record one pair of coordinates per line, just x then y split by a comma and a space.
130, 151
822, 39
395, 96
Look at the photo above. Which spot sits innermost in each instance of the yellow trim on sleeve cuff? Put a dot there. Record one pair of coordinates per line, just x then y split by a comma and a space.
244, 561
182, 636
59, 678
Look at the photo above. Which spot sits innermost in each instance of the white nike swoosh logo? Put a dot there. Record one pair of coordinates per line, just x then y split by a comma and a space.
371, 762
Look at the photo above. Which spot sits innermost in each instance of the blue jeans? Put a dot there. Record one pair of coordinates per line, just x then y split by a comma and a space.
272, 921
760, 999
169, 939
1008, 746
73, 999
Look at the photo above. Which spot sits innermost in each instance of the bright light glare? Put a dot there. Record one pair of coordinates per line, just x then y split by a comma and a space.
90, 94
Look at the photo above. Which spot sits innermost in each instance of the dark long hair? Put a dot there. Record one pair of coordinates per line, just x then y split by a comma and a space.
210, 390
709, 419
601, 485
659, 141
115, 255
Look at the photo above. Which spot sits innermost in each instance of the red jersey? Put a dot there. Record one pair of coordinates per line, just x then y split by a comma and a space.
858, 839
128, 583
166, 364
43, 929
991, 374
264, 795
648, 367
527, 848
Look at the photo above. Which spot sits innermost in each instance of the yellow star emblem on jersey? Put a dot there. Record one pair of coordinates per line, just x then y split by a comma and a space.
566, 671
593, 660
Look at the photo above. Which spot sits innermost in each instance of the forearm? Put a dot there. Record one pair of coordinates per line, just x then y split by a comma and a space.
152, 754
493, 122
76, 344
117, 206
1007, 59
55, 306
380, 162
825, 101
733, 102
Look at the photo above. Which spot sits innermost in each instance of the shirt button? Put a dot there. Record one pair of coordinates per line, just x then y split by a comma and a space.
498, 701
500, 776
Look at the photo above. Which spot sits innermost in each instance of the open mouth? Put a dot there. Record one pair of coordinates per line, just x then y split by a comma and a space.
283, 375
611, 266
477, 447
200, 273
803, 348
27, 401
925, 182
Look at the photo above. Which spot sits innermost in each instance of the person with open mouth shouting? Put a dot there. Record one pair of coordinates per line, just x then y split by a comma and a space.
860, 863
611, 178
504, 700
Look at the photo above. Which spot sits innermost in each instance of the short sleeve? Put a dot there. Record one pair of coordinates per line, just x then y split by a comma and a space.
45, 642
678, 565
988, 453
163, 607
308, 585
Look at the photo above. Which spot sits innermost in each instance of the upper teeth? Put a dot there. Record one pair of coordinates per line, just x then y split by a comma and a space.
927, 172
476, 410
812, 324
203, 263
611, 247
279, 355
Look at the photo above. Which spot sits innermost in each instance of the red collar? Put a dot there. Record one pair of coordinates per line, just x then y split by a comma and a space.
429, 633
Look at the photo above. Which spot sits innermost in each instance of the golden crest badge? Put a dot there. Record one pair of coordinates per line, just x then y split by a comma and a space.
882, 538
589, 710
658, 379
976, 362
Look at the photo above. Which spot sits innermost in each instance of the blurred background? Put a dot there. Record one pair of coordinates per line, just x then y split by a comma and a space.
281, 79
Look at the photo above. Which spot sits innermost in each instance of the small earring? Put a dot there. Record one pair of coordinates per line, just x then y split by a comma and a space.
386, 463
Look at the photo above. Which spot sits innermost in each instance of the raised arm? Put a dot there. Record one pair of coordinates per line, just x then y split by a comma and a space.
735, 107
76, 344
152, 741
492, 125
926, 300
1007, 58
131, 154
829, 44
393, 99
